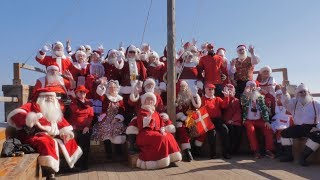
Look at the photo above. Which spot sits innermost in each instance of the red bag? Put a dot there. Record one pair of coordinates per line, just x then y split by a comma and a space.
199, 122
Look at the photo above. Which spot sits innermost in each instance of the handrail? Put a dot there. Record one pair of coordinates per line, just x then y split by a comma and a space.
17, 72
284, 71
9, 99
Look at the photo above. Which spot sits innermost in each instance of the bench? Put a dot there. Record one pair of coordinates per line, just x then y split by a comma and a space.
21, 168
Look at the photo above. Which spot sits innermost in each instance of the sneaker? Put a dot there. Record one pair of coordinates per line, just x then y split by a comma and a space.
257, 155
270, 154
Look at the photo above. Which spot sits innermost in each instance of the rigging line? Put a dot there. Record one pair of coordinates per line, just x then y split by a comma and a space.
145, 25
196, 21
58, 25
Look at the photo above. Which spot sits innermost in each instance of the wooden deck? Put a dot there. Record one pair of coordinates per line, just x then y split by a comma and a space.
243, 167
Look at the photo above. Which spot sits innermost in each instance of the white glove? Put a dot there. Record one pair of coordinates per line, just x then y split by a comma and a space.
45, 48
199, 85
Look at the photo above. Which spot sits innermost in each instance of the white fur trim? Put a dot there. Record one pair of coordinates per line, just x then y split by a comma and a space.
170, 128
132, 130
11, 114
49, 161
199, 84
196, 103
265, 68
133, 98
286, 141
148, 94
146, 122
101, 90
100, 118
164, 162
39, 56
148, 81
32, 118
179, 124
125, 89
302, 87
120, 117
47, 94
163, 86
118, 65
71, 160
164, 116
198, 143
181, 116
312, 145
185, 146
67, 130
114, 99
118, 139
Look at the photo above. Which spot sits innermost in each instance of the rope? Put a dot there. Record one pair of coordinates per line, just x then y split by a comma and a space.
196, 21
59, 23
145, 24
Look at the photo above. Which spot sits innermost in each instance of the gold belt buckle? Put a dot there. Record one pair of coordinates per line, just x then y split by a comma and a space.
133, 77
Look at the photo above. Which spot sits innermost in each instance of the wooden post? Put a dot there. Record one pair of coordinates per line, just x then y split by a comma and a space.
16, 74
171, 73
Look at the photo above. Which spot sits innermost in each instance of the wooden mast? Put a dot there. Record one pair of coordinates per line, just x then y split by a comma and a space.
171, 56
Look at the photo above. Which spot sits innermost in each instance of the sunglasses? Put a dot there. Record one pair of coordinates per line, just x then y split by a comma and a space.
211, 89
301, 92
131, 52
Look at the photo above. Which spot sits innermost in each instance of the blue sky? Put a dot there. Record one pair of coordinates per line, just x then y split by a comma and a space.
284, 32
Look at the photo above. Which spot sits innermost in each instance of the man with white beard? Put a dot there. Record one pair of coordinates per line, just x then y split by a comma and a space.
54, 80
57, 57
305, 112
41, 124
113, 64
149, 86
255, 116
243, 67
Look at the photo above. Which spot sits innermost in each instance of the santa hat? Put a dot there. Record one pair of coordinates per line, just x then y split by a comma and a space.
97, 51
87, 47
145, 45
186, 45
240, 46
111, 51
179, 83
80, 52
148, 81
210, 46
131, 48
204, 45
58, 43
81, 88
251, 83
81, 48
230, 87
268, 68
221, 49
302, 87
42, 92
153, 53
192, 48
53, 67
278, 92
146, 95
210, 85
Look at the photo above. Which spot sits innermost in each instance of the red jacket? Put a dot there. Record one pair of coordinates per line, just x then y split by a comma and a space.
233, 112
215, 105
81, 114
212, 67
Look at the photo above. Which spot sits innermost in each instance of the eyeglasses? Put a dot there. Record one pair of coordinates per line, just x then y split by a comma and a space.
241, 49
301, 92
131, 52
210, 89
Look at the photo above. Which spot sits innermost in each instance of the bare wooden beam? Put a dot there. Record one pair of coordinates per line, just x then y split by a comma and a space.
16, 74
8, 99
285, 80
32, 68
171, 73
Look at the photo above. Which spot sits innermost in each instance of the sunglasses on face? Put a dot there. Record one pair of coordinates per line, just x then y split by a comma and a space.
132, 52
210, 89
301, 92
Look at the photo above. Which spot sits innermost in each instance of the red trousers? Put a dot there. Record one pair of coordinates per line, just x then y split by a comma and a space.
251, 126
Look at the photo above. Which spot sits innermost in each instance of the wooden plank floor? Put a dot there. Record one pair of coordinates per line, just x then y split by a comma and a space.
243, 167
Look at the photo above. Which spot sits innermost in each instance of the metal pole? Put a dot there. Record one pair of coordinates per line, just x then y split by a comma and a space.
171, 73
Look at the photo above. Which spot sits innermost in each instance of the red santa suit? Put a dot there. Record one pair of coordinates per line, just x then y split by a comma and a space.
63, 62
45, 136
62, 86
113, 66
212, 67
157, 147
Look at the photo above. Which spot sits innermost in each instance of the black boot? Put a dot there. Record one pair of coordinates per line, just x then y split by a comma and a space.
212, 142
187, 156
48, 172
132, 147
279, 150
304, 155
196, 151
108, 149
287, 154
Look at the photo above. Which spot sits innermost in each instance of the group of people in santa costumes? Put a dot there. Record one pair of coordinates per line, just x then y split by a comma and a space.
118, 98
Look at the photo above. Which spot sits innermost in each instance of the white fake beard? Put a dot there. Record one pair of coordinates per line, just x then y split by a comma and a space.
50, 110
149, 90
149, 108
59, 53
242, 56
305, 100
53, 79
131, 59
254, 95
195, 59
184, 97
112, 60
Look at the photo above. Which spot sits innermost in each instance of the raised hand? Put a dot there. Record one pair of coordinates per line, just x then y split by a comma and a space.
251, 49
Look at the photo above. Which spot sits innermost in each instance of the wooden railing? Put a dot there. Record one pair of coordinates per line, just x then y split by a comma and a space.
17, 72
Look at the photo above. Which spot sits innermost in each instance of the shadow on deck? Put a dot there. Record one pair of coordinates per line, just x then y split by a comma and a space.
241, 167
